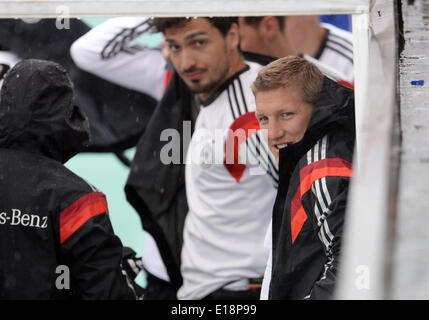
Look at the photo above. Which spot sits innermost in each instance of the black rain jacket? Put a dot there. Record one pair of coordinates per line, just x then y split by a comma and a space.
157, 191
56, 239
309, 210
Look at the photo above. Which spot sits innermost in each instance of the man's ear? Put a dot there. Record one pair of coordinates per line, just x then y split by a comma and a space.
269, 27
233, 35
165, 49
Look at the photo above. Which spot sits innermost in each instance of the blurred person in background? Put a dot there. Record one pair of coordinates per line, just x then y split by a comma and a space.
322, 44
323, 41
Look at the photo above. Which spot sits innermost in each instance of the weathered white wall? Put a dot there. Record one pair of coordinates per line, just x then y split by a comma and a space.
410, 260
87, 8
366, 247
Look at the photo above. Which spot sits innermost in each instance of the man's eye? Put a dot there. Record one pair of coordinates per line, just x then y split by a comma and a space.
200, 43
173, 47
287, 114
262, 119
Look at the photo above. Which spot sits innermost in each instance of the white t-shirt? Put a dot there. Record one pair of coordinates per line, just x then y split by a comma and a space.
338, 51
230, 206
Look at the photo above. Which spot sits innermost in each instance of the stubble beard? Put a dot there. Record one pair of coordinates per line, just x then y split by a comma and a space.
210, 87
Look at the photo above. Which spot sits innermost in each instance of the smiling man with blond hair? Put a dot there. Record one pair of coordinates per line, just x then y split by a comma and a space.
311, 130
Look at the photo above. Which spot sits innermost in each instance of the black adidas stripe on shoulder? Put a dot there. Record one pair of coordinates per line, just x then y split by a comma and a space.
342, 53
120, 41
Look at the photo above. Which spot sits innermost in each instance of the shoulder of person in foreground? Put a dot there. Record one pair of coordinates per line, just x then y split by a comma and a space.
45, 123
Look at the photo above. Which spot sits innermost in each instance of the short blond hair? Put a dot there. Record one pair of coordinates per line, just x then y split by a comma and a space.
290, 71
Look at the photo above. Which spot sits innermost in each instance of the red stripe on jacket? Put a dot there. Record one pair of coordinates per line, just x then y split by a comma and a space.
346, 84
308, 175
80, 211
167, 79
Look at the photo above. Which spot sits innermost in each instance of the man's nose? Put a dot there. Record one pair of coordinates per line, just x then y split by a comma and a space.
275, 131
187, 61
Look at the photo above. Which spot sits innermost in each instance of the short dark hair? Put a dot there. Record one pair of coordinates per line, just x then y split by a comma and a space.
255, 21
223, 24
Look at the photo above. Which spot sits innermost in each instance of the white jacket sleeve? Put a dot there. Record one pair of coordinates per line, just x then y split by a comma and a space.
105, 51
9, 59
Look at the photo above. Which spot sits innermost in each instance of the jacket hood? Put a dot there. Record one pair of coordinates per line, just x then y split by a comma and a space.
334, 107
37, 111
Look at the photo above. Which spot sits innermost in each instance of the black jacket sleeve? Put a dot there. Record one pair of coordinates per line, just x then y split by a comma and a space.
94, 255
329, 201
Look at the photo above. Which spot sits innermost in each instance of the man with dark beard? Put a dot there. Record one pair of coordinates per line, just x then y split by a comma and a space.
209, 211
